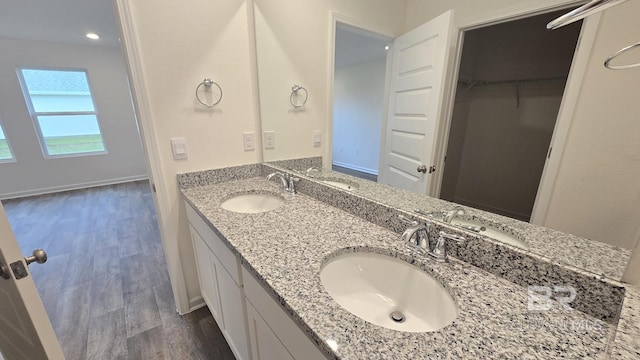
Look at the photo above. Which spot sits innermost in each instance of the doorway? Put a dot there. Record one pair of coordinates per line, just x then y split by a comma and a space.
360, 66
74, 179
511, 82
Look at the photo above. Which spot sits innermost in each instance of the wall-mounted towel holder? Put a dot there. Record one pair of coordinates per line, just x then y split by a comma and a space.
294, 93
208, 83
587, 9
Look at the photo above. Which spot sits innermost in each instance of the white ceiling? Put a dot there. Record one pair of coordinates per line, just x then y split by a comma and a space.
64, 21
354, 46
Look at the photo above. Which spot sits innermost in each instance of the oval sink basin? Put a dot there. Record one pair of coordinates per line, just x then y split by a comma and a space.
252, 203
489, 231
388, 292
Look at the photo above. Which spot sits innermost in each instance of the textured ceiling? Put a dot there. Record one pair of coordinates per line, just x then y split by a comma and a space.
64, 21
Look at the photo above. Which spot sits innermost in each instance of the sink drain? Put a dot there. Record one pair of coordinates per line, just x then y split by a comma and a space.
397, 316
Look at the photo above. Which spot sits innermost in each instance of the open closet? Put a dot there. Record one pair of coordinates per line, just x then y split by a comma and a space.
510, 86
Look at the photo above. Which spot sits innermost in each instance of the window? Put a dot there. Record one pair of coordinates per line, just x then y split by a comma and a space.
62, 108
5, 149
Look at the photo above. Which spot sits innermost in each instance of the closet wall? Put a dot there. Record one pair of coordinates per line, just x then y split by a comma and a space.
511, 83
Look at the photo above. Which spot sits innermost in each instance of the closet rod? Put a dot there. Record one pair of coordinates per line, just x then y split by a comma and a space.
474, 82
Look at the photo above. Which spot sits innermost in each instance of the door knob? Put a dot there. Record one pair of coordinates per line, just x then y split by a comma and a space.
38, 255
422, 169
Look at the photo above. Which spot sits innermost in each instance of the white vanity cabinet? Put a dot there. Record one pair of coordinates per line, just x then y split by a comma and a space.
220, 284
253, 323
273, 333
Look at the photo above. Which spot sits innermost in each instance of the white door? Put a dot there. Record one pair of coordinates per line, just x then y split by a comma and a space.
25, 330
416, 104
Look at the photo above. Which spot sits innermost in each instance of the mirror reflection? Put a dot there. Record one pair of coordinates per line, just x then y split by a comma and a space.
515, 90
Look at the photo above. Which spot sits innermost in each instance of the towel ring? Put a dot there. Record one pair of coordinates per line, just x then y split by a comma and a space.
294, 91
607, 63
207, 83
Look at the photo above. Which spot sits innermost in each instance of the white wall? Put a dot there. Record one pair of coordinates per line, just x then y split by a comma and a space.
358, 100
32, 173
596, 192
179, 46
293, 43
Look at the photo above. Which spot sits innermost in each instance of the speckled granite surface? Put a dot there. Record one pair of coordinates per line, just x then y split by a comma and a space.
543, 242
626, 344
286, 247
301, 164
516, 265
214, 176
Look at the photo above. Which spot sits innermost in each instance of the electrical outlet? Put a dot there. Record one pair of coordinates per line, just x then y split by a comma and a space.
269, 139
317, 138
249, 141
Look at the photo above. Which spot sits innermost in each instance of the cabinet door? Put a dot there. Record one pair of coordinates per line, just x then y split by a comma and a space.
207, 275
232, 305
265, 345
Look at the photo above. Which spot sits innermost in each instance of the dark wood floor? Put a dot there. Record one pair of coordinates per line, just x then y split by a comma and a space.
356, 173
105, 286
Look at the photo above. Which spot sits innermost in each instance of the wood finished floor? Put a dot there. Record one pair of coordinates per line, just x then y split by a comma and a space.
105, 286
356, 173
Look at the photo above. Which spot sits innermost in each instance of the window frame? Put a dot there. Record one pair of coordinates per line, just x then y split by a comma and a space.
12, 159
34, 114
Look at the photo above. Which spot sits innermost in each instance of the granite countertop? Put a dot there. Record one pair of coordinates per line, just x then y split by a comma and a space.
286, 248
575, 251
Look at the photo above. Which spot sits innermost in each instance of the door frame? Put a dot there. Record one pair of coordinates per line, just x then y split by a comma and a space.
568, 104
151, 147
357, 24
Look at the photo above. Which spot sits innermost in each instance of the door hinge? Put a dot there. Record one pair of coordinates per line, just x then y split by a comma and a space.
549, 153
153, 188
19, 270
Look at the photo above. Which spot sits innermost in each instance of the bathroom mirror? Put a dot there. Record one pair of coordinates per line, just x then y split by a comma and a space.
594, 193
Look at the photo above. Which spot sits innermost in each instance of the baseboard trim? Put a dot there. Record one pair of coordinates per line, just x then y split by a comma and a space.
356, 167
196, 303
55, 189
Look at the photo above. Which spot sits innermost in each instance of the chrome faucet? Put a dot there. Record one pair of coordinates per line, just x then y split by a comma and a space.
439, 250
450, 215
287, 180
416, 238
312, 169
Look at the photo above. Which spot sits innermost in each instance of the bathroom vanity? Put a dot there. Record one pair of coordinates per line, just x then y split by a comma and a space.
260, 275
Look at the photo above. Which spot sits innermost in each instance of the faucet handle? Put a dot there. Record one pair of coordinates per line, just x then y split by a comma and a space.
291, 183
454, 237
407, 221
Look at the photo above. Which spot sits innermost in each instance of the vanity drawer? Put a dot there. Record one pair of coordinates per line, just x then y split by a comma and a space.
227, 258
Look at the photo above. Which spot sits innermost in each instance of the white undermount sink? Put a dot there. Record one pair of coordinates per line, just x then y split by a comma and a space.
388, 292
252, 203
489, 231
339, 183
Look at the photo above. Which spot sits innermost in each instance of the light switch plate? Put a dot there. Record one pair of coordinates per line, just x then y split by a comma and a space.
249, 141
269, 139
179, 148
317, 138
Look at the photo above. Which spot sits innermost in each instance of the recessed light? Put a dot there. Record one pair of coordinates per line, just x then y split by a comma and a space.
386, 47
93, 36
